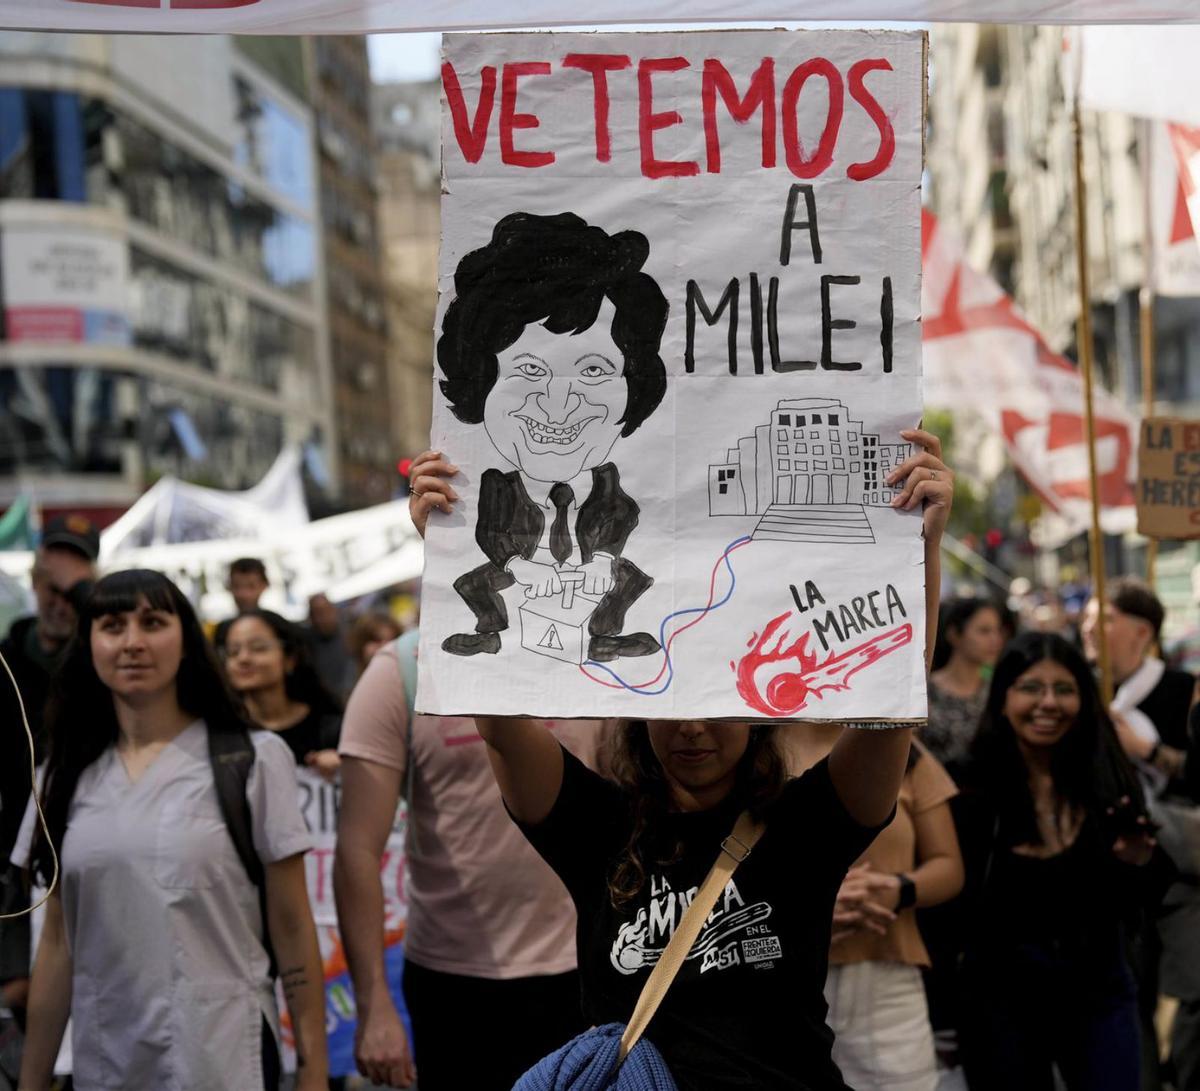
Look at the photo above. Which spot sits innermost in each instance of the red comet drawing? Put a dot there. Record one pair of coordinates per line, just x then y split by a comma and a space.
788, 692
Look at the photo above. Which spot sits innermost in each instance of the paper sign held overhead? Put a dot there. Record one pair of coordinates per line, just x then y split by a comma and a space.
677, 341
1168, 487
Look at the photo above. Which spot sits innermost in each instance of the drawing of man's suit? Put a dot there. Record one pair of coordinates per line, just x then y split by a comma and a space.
512, 525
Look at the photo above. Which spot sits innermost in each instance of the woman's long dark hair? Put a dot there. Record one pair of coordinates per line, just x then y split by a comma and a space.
81, 718
761, 775
302, 682
1089, 768
954, 616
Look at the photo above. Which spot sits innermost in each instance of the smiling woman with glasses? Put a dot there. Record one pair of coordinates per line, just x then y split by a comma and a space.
269, 663
1061, 866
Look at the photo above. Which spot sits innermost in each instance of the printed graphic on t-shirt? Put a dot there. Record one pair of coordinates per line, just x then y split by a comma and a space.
735, 933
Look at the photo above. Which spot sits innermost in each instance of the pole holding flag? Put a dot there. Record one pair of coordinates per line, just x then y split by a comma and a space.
1095, 537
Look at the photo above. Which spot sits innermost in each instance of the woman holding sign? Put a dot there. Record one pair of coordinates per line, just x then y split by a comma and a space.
747, 1009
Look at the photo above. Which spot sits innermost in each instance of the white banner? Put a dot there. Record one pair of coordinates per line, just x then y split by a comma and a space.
982, 354
678, 340
344, 556
372, 16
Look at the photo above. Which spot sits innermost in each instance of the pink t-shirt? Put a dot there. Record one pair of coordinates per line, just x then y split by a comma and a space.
481, 902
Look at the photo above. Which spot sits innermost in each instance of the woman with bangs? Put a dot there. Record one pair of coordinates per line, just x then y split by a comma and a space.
1061, 864
747, 1009
154, 942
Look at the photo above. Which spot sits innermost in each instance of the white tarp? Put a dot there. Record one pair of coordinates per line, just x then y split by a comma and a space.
173, 511
371, 16
675, 356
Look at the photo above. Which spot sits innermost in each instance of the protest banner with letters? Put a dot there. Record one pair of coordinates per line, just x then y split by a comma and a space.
678, 339
319, 801
1168, 488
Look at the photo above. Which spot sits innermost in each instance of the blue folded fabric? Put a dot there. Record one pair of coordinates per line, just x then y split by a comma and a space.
589, 1063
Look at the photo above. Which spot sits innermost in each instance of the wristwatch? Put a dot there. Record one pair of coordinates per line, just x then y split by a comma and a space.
908, 892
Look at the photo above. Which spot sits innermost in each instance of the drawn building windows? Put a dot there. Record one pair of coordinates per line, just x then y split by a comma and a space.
835, 448
785, 419
816, 418
724, 479
781, 434
839, 463
833, 418
801, 448
802, 465
798, 433
814, 434
818, 449
852, 437
853, 450
782, 465
834, 434
801, 420
820, 464
855, 467
782, 449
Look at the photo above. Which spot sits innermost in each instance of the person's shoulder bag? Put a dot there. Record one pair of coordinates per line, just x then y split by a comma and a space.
615, 1057
231, 755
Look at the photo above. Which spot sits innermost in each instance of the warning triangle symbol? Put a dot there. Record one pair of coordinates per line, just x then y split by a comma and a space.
551, 640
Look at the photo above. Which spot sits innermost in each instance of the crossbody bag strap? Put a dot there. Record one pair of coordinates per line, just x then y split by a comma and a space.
734, 849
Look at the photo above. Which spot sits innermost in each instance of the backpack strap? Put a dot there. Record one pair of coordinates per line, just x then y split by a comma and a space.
231, 755
734, 849
406, 656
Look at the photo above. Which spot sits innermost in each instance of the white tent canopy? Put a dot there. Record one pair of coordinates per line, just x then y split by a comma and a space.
374, 16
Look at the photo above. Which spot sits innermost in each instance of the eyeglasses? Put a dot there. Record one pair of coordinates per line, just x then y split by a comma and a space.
1039, 689
254, 647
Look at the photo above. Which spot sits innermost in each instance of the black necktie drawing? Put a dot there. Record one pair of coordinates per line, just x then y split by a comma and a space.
562, 497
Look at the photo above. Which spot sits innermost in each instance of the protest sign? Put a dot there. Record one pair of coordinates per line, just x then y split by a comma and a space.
319, 801
1168, 488
677, 341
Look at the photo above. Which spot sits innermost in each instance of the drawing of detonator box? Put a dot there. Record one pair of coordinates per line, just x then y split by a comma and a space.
557, 626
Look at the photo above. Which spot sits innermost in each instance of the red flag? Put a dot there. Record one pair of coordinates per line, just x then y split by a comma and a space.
981, 353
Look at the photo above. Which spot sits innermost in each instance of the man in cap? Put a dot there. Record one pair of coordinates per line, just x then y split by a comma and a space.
64, 570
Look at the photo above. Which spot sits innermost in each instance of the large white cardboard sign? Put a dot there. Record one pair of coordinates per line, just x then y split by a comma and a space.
677, 340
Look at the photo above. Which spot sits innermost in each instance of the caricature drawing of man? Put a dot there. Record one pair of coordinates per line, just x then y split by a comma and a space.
552, 343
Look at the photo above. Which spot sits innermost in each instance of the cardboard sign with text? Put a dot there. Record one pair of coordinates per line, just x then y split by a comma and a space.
678, 338
1168, 490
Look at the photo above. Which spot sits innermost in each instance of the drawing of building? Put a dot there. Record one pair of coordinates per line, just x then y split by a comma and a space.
811, 463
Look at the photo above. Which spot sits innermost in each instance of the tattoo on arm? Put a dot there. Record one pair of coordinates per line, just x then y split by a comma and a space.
293, 980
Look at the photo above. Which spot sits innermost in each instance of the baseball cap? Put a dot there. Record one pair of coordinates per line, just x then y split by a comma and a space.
74, 531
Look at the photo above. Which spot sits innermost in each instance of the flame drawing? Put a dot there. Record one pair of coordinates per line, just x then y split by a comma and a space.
787, 692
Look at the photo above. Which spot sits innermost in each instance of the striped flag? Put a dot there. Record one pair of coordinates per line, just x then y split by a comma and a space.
982, 354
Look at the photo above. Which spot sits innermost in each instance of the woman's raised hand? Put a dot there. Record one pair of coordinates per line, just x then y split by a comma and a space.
926, 480
430, 487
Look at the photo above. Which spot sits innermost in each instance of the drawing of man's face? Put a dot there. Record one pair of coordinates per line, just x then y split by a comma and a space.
555, 408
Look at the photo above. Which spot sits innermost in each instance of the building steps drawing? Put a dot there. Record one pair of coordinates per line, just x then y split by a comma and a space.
827, 523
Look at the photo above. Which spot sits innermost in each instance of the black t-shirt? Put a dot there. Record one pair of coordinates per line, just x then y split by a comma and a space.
317, 731
747, 1010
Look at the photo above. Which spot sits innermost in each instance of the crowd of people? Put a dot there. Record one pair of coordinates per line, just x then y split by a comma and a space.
997, 900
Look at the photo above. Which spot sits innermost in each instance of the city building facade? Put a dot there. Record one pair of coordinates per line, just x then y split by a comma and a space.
407, 123
353, 247
164, 304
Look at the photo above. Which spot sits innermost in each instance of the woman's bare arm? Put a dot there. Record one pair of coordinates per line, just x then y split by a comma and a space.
527, 763
49, 1001
867, 766
294, 937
